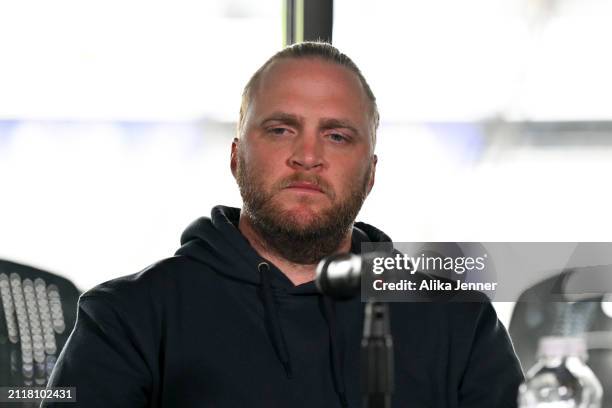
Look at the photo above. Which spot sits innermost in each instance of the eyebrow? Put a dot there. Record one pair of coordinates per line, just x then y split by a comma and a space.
333, 123
288, 118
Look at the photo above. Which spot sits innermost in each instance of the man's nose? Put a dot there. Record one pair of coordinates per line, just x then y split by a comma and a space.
307, 153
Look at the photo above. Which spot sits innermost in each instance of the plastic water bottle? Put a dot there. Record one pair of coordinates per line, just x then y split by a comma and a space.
561, 378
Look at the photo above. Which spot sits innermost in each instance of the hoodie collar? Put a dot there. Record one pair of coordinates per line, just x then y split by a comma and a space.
218, 243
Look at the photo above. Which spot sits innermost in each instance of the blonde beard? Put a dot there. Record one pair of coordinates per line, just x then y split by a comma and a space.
286, 235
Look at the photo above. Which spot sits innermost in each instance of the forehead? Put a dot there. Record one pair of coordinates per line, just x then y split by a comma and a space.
310, 85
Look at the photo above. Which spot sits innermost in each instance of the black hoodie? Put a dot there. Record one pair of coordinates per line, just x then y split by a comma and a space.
219, 326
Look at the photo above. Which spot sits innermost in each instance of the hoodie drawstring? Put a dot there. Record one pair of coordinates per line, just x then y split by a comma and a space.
337, 372
278, 339
274, 326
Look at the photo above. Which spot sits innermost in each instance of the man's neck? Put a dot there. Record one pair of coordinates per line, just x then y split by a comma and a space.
297, 273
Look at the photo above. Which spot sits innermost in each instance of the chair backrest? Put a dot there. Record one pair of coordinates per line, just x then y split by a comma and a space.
37, 314
542, 310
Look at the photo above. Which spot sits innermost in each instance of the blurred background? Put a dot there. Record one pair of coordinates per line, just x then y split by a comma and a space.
116, 120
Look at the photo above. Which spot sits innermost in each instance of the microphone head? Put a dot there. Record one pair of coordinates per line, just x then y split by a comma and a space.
339, 275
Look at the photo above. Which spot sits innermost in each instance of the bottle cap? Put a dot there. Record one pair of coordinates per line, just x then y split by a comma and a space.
556, 346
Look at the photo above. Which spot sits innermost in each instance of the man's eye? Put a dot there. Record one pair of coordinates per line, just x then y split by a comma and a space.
338, 138
278, 131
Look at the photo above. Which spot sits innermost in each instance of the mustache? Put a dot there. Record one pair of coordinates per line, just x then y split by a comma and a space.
303, 178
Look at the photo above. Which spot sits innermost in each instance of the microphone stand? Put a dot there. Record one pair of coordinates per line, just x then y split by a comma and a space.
376, 357
339, 276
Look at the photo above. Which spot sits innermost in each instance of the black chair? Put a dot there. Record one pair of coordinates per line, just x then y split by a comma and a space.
37, 314
568, 304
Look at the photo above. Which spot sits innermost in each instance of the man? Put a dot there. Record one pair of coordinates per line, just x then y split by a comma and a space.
234, 319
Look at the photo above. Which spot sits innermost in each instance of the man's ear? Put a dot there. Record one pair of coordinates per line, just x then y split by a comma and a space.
234, 156
372, 173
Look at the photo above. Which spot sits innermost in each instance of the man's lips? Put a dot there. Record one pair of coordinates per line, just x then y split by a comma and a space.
305, 186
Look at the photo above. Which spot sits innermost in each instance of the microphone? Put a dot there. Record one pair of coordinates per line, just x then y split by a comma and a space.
339, 275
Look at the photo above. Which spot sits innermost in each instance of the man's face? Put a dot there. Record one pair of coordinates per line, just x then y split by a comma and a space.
305, 161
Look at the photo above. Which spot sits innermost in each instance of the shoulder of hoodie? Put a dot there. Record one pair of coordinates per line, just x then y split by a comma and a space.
147, 286
465, 314
468, 325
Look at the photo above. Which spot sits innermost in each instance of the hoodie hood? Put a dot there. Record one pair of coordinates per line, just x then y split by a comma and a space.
217, 243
